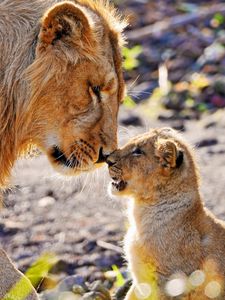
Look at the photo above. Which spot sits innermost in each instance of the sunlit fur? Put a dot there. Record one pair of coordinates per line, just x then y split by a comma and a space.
170, 229
52, 54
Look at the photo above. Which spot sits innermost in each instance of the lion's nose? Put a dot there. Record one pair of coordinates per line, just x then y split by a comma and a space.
101, 156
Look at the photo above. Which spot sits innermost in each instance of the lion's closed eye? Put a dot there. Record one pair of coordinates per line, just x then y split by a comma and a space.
97, 91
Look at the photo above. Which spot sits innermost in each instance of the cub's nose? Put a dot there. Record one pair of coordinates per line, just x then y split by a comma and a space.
110, 161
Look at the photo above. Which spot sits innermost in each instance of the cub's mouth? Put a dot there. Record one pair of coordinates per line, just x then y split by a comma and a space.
119, 184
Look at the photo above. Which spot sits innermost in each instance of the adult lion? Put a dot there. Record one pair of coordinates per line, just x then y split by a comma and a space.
60, 83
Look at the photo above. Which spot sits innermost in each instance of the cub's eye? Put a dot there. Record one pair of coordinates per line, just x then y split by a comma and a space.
137, 152
97, 91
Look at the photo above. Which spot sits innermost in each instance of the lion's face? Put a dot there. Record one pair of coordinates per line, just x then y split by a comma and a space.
79, 94
147, 163
81, 126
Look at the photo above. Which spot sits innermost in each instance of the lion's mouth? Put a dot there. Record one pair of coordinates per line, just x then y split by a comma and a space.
118, 184
72, 162
101, 156
60, 157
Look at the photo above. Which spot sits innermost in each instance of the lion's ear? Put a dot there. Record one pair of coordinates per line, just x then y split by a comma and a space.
169, 155
65, 22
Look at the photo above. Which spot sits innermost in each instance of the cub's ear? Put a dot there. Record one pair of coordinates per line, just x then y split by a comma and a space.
170, 157
65, 22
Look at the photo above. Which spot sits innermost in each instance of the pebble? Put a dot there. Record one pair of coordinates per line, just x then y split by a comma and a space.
131, 121
46, 201
69, 282
207, 142
74, 288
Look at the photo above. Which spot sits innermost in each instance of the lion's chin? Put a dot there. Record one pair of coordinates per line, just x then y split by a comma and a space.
71, 171
74, 171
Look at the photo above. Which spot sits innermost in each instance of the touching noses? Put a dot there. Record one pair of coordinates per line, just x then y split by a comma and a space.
101, 156
110, 160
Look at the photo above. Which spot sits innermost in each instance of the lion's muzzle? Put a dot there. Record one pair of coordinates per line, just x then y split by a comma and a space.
60, 157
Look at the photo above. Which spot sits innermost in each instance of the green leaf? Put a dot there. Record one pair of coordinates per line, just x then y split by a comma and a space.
119, 277
128, 102
130, 57
202, 107
34, 274
189, 102
40, 268
219, 18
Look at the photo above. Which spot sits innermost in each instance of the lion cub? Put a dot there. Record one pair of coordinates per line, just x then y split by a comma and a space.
174, 246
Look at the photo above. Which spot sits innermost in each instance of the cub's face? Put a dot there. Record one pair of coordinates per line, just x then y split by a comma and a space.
77, 86
146, 163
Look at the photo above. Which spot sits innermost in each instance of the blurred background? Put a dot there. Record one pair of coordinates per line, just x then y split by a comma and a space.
174, 67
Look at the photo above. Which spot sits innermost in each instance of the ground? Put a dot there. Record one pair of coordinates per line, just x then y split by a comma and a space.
77, 220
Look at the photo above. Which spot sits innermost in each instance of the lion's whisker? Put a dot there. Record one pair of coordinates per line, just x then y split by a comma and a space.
139, 92
133, 82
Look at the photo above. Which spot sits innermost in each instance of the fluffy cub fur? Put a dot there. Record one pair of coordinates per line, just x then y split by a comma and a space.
171, 232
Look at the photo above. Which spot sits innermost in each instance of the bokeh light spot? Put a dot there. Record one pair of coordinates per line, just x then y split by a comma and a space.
175, 287
69, 296
212, 289
143, 290
197, 278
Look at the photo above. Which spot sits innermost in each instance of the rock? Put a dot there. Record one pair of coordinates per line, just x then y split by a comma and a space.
210, 124
4, 230
93, 296
68, 289
207, 142
72, 281
106, 260
131, 120
218, 101
97, 292
219, 85
46, 201
174, 102
122, 291
97, 286
179, 125
190, 49
166, 116
71, 288
65, 266
90, 245
213, 53
55, 295
78, 289
97, 275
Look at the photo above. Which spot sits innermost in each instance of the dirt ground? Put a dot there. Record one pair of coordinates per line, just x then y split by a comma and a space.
76, 219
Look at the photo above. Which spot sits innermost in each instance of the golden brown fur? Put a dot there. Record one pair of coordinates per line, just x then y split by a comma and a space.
170, 230
60, 87
53, 55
